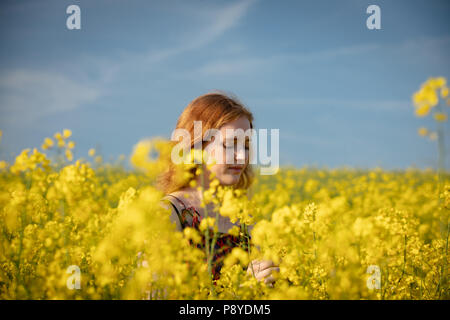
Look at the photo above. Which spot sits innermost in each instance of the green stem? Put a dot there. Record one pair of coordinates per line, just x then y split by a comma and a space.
208, 250
211, 252
443, 273
441, 149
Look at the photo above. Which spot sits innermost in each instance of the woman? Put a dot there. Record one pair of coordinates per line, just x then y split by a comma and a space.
227, 115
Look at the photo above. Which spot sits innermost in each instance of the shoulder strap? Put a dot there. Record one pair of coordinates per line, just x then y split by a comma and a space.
178, 199
175, 207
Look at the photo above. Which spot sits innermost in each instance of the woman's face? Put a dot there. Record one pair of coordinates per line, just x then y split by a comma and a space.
229, 170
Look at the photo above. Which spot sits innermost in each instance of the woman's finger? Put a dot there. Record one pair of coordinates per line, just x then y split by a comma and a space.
259, 265
267, 272
265, 264
253, 268
269, 281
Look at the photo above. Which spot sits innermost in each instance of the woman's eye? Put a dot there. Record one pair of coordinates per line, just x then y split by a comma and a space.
231, 146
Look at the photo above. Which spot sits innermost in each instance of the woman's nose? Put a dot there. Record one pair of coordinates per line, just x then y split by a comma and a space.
240, 155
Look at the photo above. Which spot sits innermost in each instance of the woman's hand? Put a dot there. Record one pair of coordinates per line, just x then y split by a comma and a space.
262, 270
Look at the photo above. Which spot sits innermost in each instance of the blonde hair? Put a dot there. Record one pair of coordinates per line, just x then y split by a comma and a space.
214, 109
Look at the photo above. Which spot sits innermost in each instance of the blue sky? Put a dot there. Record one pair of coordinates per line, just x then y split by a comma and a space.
339, 93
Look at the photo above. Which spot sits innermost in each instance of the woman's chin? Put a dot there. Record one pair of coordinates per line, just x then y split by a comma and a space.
229, 179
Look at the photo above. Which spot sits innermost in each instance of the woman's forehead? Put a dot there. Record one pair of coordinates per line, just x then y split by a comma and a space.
240, 123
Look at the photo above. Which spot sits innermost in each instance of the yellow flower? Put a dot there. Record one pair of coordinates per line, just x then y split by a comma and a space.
193, 183
48, 142
3, 164
234, 231
192, 234
418, 98
237, 255
230, 206
48, 242
440, 116
67, 133
91, 152
444, 92
423, 110
432, 98
322, 228
196, 156
208, 222
69, 155
71, 145
441, 81
423, 131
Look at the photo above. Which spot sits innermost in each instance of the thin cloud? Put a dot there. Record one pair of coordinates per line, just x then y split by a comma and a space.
245, 65
214, 23
218, 22
415, 50
232, 67
379, 105
27, 95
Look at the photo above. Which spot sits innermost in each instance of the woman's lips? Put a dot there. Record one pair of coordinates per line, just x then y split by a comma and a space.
235, 169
